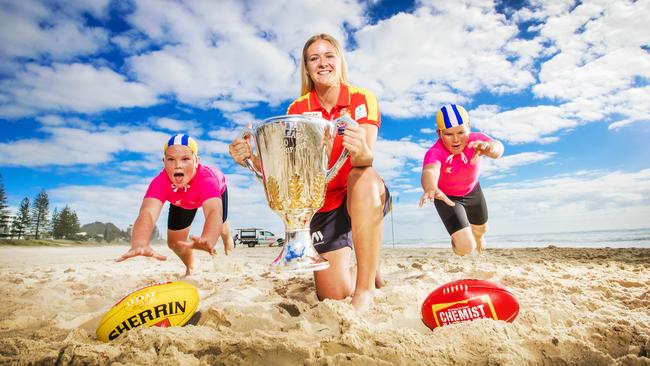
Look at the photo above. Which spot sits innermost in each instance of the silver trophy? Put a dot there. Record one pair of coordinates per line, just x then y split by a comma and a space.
294, 152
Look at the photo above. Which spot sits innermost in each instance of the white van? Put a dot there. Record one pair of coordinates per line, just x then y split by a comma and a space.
256, 236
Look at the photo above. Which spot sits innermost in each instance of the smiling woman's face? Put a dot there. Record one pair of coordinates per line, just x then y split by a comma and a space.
454, 138
180, 164
323, 63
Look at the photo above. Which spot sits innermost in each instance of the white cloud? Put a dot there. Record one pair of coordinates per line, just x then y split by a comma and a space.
581, 201
32, 30
543, 9
75, 87
117, 204
225, 134
181, 126
565, 77
53, 120
70, 141
505, 164
131, 42
228, 55
67, 146
394, 157
230, 71
440, 53
600, 62
524, 124
242, 118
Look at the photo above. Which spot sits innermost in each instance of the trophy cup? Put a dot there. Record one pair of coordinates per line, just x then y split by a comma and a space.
294, 152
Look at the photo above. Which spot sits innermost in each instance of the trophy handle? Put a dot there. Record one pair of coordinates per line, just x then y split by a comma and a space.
340, 124
246, 131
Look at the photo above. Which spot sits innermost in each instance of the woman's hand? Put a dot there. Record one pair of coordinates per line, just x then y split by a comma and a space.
240, 150
355, 140
437, 194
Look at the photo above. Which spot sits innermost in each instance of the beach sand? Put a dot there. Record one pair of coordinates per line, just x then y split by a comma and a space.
578, 307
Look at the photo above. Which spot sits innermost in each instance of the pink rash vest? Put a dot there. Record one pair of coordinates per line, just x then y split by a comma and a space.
458, 176
207, 183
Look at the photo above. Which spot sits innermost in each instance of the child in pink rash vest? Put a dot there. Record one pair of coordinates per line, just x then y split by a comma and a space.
450, 178
187, 185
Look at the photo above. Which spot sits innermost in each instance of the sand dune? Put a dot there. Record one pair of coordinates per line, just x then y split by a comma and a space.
578, 307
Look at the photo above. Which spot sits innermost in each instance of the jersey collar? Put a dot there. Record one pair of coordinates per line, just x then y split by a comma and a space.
343, 101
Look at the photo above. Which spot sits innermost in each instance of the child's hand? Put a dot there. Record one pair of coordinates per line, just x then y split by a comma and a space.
480, 148
145, 251
435, 194
199, 243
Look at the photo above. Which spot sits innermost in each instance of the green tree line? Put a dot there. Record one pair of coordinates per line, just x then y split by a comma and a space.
32, 220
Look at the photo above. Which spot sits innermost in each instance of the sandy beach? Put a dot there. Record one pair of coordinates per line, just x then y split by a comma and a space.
578, 307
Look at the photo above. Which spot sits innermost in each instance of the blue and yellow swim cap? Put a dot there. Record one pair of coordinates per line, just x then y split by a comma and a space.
451, 115
184, 140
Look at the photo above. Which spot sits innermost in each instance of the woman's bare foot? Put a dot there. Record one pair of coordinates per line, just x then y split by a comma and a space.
362, 301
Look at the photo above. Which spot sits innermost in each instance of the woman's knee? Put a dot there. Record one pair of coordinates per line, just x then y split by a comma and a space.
333, 292
364, 185
365, 176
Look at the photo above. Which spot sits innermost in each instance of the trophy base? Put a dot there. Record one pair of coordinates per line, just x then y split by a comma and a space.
298, 254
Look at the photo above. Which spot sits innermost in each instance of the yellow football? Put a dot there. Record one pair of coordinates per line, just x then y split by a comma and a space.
164, 304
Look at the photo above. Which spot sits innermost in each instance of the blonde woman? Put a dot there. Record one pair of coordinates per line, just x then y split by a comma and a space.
357, 199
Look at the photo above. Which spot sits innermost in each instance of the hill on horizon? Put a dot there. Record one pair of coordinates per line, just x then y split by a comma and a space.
106, 230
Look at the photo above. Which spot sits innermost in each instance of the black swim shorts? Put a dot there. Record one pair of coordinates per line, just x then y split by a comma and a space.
331, 230
469, 209
180, 218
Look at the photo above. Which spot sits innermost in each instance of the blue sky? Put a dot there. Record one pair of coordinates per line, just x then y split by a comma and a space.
90, 90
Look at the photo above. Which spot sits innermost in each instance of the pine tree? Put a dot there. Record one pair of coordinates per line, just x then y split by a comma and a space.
65, 223
40, 212
4, 212
55, 223
22, 219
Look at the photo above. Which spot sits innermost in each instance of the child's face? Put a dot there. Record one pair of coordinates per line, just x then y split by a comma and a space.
180, 164
454, 138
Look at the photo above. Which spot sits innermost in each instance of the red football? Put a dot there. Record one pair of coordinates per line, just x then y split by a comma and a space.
466, 300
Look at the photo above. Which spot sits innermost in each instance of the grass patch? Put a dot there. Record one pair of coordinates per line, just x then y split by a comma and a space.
55, 243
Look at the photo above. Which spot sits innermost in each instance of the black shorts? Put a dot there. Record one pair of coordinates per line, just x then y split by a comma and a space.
332, 230
180, 218
469, 209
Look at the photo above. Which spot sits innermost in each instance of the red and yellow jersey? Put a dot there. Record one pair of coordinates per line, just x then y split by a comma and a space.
358, 103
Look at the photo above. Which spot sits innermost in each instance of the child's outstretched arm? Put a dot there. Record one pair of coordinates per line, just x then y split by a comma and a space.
429, 180
212, 210
142, 229
492, 149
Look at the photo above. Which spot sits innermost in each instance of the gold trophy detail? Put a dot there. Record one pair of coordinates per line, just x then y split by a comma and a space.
294, 153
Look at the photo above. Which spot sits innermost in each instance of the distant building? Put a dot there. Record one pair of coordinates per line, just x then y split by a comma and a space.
7, 226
